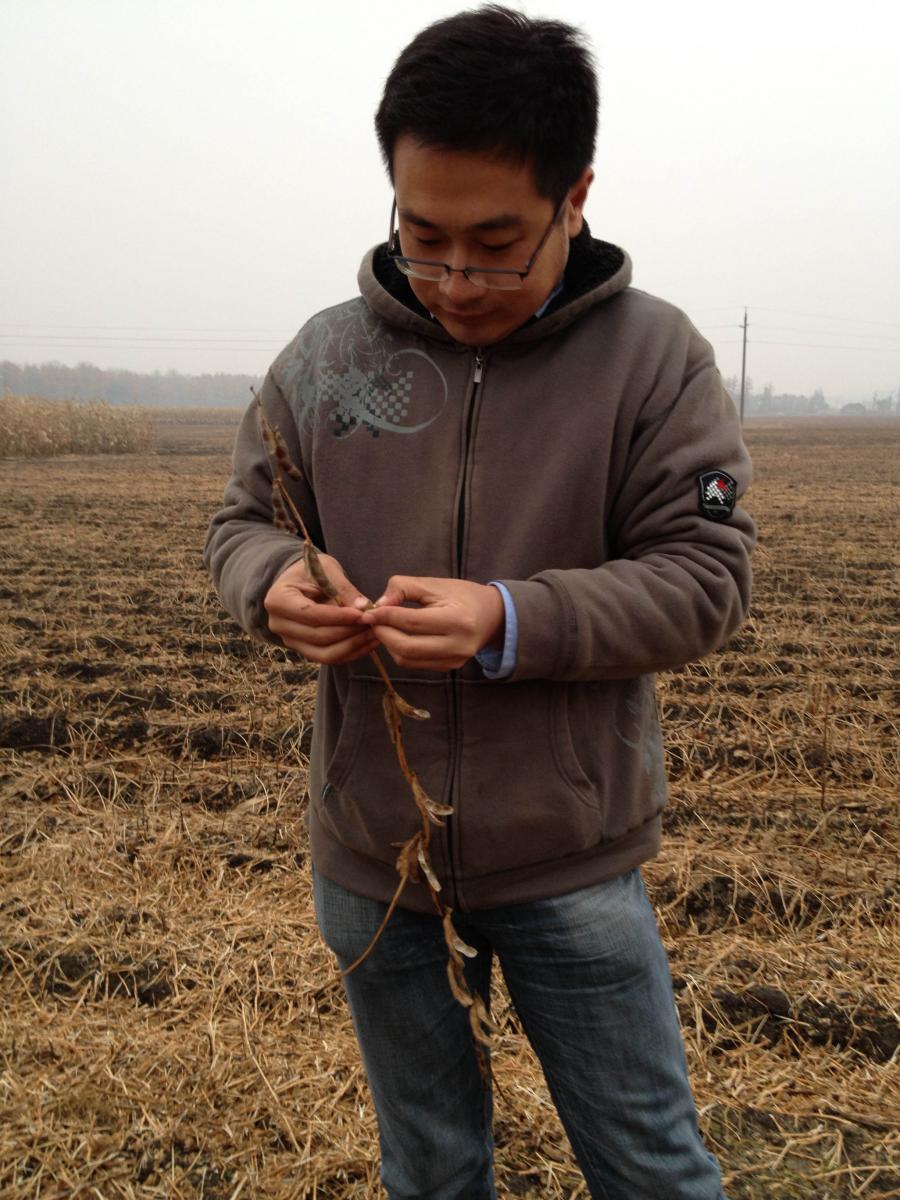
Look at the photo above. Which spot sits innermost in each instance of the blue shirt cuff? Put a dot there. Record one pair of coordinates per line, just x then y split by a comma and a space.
499, 664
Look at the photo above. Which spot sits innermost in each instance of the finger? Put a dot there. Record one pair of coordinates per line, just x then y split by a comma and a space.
308, 612
316, 635
416, 621
363, 651
344, 650
349, 651
290, 599
296, 582
352, 597
348, 595
330, 614
427, 653
401, 588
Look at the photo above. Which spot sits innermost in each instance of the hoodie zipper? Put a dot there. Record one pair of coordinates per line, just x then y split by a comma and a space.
477, 373
470, 417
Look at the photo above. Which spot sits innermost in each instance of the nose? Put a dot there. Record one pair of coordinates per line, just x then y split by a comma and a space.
457, 289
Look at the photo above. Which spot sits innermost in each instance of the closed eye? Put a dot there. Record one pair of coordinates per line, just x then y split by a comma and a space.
428, 243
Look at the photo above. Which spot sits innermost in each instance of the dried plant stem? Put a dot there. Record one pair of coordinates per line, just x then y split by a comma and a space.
294, 511
382, 671
380, 930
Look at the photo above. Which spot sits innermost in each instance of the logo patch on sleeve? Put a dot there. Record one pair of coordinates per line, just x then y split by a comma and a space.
718, 493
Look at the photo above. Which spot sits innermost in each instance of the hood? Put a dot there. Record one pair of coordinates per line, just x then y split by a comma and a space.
595, 271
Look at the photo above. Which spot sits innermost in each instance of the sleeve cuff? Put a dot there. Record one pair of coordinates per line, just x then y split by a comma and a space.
500, 664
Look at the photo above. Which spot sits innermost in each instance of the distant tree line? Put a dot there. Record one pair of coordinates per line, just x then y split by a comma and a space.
768, 402
53, 381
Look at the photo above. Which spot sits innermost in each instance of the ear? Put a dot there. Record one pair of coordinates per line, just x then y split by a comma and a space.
578, 195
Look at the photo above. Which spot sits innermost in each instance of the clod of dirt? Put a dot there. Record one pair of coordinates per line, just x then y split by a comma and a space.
21, 622
770, 999
29, 732
240, 648
131, 918
212, 740
133, 731
767, 1013
869, 1029
77, 669
69, 972
66, 972
718, 902
259, 866
146, 981
765, 1010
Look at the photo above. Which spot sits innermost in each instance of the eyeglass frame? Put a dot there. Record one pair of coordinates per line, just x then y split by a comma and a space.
395, 255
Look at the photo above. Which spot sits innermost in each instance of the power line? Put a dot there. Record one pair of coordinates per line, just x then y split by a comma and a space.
822, 317
825, 346
715, 308
881, 337
793, 313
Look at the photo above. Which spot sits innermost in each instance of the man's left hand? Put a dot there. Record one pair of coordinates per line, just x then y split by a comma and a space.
453, 620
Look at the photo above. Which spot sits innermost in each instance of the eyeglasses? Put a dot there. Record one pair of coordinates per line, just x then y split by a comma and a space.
499, 278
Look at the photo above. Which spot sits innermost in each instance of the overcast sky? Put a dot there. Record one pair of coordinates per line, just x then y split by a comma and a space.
185, 182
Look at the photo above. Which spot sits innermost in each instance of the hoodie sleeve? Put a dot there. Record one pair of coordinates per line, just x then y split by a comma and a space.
678, 582
244, 552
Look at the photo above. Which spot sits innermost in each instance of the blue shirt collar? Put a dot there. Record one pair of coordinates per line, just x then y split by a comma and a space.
556, 291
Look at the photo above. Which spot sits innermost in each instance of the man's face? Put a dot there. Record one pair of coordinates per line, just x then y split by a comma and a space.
470, 209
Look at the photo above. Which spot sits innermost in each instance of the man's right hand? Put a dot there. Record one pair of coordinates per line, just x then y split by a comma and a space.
320, 629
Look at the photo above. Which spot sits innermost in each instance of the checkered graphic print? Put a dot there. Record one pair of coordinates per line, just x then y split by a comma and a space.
371, 401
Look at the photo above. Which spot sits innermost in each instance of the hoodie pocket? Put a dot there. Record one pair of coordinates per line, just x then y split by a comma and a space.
524, 796
366, 801
616, 737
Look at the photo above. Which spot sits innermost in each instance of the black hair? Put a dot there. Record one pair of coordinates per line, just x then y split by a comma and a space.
492, 79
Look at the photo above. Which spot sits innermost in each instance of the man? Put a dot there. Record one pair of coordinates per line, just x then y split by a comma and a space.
532, 469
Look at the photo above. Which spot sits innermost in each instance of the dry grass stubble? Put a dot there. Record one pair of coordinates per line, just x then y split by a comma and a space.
170, 1024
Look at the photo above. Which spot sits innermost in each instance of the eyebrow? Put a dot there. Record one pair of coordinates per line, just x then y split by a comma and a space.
501, 221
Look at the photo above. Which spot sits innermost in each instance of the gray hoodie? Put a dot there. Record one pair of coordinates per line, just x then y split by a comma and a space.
589, 462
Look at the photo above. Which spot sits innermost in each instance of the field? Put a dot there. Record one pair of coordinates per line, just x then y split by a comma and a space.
170, 1024
31, 427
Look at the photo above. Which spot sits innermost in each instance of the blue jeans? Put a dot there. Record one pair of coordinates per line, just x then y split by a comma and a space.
590, 982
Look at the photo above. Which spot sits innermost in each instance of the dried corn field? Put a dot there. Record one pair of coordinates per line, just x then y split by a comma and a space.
34, 428
170, 1025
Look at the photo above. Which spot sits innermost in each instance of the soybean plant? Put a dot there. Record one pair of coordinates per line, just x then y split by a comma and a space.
413, 857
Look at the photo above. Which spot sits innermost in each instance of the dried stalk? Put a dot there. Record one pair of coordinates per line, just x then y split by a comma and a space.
414, 856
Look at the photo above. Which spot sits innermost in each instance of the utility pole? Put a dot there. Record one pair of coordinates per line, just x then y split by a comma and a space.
744, 365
